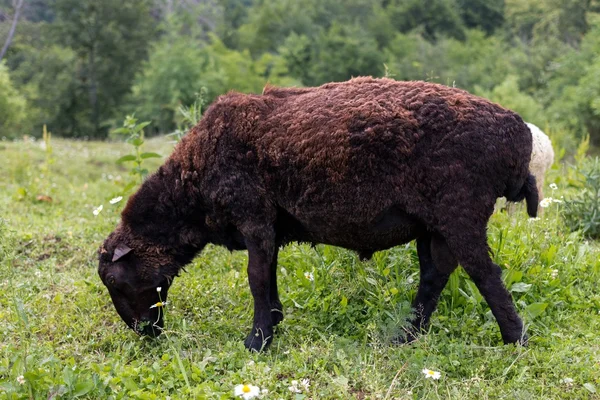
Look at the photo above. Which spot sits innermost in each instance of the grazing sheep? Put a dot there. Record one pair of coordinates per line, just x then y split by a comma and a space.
542, 156
366, 164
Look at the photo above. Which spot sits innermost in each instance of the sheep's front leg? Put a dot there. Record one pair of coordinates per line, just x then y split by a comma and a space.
259, 276
276, 307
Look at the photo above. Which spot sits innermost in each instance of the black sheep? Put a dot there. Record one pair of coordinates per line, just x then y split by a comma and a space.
366, 164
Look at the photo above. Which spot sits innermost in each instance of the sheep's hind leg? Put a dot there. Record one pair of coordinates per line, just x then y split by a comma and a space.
276, 307
472, 254
436, 264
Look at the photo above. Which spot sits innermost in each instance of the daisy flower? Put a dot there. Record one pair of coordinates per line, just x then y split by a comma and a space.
435, 375
553, 186
294, 387
159, 304
116, 200
309, 276
305, 383
546, 202
98, 210
246, 391
21, 379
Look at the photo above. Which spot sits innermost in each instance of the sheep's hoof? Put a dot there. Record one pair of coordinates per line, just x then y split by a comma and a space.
405, 339
523, 340
259, 339
276, 315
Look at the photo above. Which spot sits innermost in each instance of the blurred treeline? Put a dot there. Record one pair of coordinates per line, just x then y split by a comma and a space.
80, 65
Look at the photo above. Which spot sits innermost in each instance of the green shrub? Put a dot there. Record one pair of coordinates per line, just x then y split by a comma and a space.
582, 211
179, 68
13, 107
508, 95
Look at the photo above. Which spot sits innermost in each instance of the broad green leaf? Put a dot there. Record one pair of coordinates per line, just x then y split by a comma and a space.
137, 142
512, 276
121, 131
128, 187
520, 287
128, 157
130, 384
474, 291
590, 387
141, 126
150, 155
344, 302
21, 312
82, 388
536, 309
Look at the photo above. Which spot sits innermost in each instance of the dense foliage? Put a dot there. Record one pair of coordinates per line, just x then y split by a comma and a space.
81, 65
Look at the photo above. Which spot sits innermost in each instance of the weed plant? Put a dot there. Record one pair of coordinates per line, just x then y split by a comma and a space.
134, 134
189, 116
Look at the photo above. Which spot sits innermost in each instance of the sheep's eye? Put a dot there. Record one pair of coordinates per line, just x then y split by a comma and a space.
111, 280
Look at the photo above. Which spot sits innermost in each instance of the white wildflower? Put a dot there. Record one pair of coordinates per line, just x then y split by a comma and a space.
98, 210
246, 391
305, 383
159, 304
115, 200
546, 202
431, 374
554, 273
553, 186
309, 276
21, 379
294, 387
158, 289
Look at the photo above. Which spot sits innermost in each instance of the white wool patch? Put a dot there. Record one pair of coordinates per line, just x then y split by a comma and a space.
542, 156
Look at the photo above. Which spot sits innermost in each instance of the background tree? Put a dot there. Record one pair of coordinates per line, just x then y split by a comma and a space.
110, 39
81, 64
18, 5
13, 117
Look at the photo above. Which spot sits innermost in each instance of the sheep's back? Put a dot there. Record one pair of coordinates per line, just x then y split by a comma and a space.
351, 150
371, 128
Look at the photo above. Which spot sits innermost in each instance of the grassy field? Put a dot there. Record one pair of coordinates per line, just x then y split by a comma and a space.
63, 338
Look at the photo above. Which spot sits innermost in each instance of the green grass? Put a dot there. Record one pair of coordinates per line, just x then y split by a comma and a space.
62, 334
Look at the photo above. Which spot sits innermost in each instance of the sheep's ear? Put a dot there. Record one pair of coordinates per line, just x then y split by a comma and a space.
121, 251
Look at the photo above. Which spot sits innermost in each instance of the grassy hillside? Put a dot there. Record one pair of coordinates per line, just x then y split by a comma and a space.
63, 338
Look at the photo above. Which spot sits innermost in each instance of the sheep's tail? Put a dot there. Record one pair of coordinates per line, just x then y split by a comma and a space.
528, 192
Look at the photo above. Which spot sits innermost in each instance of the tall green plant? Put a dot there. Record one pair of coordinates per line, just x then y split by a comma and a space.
45, 166
135, 137
189, 116
582, 211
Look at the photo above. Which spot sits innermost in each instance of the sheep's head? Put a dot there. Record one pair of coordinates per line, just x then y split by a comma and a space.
133, 273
